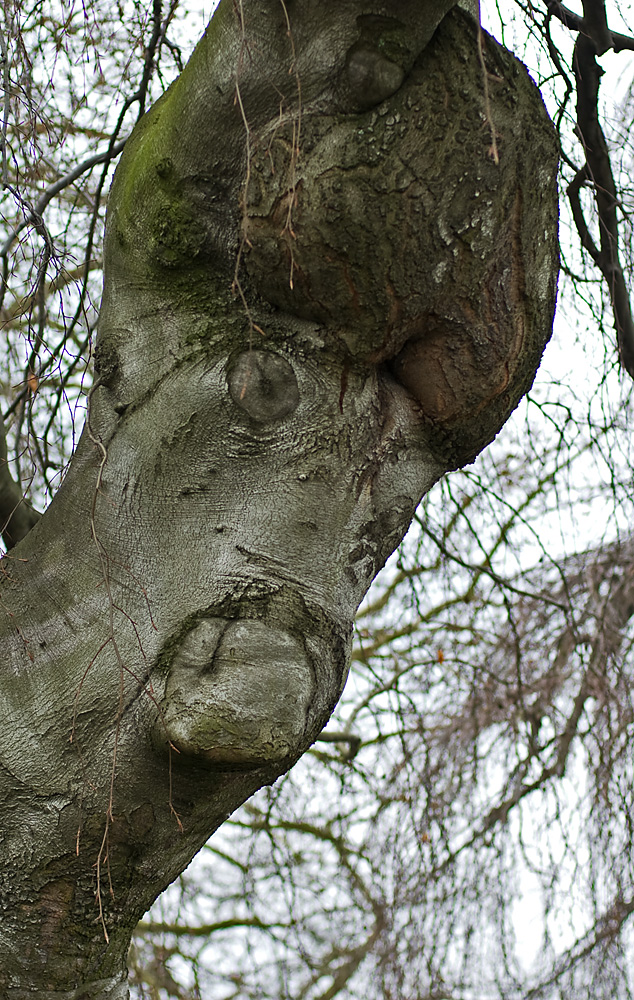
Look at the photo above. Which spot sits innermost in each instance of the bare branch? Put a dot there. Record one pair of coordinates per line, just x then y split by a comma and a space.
17, 517
354, 742
598, 169
573, 21
35, 212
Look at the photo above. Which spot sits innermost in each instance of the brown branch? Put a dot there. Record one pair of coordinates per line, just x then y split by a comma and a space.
588, 244
595, 38
598, 170
606, 927
353, 960
33, 213
11, 316
153, 927
354, 742
596, 25
573, 21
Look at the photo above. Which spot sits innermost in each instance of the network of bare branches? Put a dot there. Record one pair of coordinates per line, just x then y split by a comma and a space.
464, 829
76, 77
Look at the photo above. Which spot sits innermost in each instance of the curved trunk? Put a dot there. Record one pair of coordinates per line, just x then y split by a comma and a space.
321, 293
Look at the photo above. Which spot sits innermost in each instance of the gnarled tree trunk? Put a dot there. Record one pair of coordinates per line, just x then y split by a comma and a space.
321, 293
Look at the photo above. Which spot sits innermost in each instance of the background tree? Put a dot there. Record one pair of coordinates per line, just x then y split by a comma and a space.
444, 711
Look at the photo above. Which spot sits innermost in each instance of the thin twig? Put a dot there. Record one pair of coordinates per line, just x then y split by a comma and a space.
495, 156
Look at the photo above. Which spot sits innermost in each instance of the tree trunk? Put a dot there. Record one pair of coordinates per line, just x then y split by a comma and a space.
321, 293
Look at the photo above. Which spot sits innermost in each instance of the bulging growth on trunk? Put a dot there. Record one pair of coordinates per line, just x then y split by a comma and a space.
330, 275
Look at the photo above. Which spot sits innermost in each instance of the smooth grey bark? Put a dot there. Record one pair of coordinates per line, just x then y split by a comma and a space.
176, 628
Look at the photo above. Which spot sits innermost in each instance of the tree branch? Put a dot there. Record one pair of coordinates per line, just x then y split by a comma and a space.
595, 38
354, 742
34, 213
573, 21
17, 517
599, 170
151, 928
596, 25
574, 188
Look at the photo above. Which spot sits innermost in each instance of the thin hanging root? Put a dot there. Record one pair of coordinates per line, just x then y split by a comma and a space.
295, 145
493, 149
292, 172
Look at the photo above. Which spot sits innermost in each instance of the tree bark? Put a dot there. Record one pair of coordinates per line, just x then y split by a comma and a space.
321, 293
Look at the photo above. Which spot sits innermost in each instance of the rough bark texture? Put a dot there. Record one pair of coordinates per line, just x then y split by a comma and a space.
177, 626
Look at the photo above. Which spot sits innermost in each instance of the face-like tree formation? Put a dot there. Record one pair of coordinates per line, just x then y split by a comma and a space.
330, 269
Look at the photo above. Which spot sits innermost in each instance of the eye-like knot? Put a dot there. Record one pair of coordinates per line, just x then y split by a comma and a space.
263, 384
371, 77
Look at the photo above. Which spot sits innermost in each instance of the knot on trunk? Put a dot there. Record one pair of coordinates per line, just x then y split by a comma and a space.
237, 694
399, 232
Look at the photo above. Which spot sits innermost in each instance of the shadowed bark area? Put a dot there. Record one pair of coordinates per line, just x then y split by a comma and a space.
321, 294
17, 517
